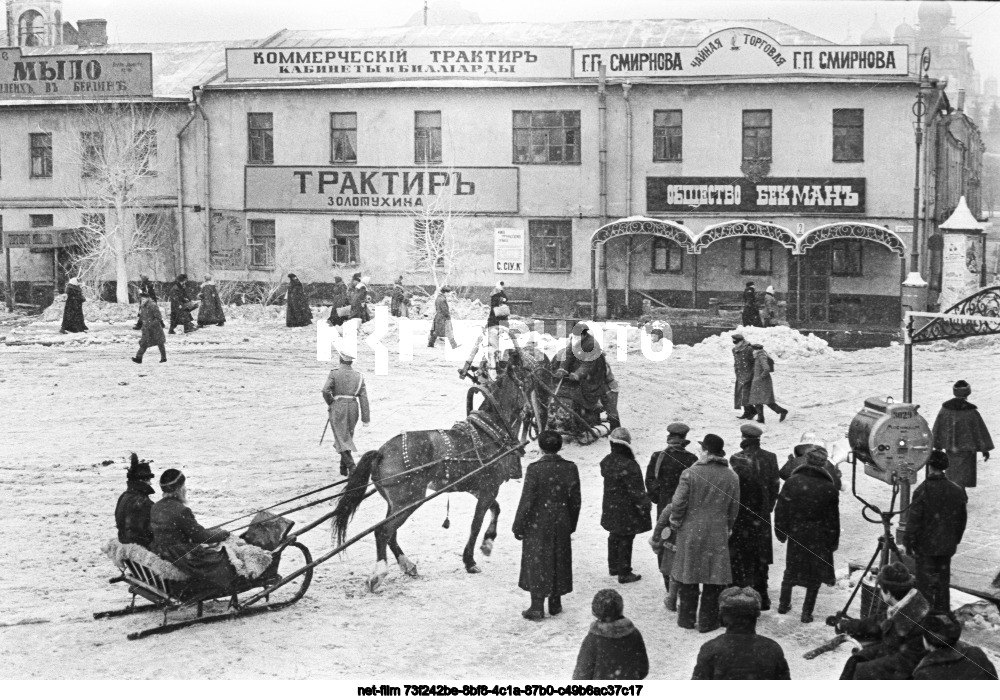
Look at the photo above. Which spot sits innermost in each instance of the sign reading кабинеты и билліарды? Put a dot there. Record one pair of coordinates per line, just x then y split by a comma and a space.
741, 51
74, 75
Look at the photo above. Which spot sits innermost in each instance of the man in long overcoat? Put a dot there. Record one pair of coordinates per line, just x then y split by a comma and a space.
807, 516
625, 508
744, 541
740, 654
960, 431
297, 311
72, 321
399, 299
210, 313
442, 326
344, 393
751, 314
150, 289
152, 329
766, 465
546, 518
134, 505
359, 300
935, 524
704, 507
762, 388
180, 314
340, 300
743, 367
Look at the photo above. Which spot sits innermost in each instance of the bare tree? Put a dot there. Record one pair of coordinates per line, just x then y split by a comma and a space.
116, 156
437, 248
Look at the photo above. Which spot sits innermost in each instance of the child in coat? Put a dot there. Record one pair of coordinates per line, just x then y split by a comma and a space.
613, 649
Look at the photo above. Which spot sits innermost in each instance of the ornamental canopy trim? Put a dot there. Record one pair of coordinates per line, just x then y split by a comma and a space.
985, 302
734, 229
867, 232
643, 226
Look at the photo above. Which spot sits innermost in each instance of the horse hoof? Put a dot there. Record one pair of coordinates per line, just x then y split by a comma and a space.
474, 569
487, 547
374, 583
407, 566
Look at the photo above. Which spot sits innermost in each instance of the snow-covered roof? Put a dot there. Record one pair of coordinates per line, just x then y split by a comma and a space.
961, 219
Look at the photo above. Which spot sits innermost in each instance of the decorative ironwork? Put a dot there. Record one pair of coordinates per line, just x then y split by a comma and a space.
867, 232
985, 302
679, 234
731, 229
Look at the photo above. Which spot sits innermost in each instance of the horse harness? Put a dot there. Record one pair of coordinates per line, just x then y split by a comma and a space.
473, 429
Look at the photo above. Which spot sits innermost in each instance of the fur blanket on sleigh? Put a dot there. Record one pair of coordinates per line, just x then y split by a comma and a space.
249, 561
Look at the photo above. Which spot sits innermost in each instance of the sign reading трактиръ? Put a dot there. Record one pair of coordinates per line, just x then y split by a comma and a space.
398, 63
381, 189
74, 75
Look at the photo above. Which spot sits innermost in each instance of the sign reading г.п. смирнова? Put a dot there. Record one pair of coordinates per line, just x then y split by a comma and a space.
821, 195
74, 75
382, 189
741, 51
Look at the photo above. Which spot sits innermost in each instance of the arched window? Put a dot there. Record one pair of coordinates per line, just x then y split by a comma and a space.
31, 29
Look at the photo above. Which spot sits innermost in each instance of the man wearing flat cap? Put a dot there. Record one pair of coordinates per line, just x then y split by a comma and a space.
134, 505
740, 654
765, 468
663, 472
344, 392
743, 367
960, 431
935, 524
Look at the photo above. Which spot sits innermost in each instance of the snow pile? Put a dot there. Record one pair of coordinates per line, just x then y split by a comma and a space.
461, 308
981, 614
97, 311
781, 343
974, 343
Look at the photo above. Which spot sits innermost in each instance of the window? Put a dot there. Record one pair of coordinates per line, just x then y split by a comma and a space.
755, 256
551, 245
40, 220
262, 244
428, 243
667, 136
845, 258
148, 223
667, 256
31, 29
93, 224
344, 137
344, 243
41, 155
848, 135
427, 137
546, 137
260, 131
146, 151
91, 153
756, 134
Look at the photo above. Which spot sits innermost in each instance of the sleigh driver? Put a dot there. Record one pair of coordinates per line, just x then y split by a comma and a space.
585, 378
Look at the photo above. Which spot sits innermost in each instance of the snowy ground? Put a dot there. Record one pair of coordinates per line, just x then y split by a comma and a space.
239, 408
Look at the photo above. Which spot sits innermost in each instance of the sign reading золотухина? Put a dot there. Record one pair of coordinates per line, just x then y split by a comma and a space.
74, 75
408, 62
741, 51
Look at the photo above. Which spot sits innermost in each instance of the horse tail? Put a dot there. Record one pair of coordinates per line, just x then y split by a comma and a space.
354, 493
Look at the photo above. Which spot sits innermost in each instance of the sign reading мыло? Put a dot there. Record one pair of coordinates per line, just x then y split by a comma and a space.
74, 75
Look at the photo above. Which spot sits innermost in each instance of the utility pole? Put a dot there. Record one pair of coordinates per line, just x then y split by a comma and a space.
425, 13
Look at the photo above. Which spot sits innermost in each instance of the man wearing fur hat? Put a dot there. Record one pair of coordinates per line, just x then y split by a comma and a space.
663, 472
798, 458
743, 366
613, 650
807, 516
949, 659
935, 524
740, 654
626, 506
960, 431
765, 464
704, 510
134, 505
585, 364
344, 392
898, 632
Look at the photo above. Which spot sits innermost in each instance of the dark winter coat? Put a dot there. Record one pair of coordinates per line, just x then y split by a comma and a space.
359, 303
662, 480
340, 299
705, 506
149, 288
625, 509
741, 655
962, 662
751, 314
936, 519
767, 470
496, 300
961, 432
743, 367
901, 646
152, 323
297, 311
593, 375
807, 516
72, 321
762, 389
612, 651
132, 513
179, 315
745, 540
398, 300
178, 538
442, 317
798, 458
546, 516
210, 312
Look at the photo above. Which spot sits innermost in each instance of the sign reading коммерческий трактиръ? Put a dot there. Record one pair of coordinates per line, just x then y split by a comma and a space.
31, 76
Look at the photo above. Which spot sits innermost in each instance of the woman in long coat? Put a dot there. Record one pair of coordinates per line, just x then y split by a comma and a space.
626, 506
340, 300
807, 516
762, 388
442, 326
961, 432
704, 510
210, 313
751, 314
73, 311
297, 311
546, 518
152, 328
745, 542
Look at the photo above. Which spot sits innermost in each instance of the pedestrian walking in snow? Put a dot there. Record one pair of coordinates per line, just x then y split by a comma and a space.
960, 431
72, 321
210, 313
766, 466
625, 508
152, 328
345, 393
297, 311
341, 309
762, 388
359, 300
180, 305
399, 299
442, 326
613, 649
743, 365
751, 314
150, 289
769, 316
740, 654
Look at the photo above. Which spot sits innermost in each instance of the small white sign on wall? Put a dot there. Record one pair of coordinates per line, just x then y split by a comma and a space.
508, 251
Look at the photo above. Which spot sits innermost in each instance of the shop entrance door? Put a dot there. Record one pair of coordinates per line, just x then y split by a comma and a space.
809, 286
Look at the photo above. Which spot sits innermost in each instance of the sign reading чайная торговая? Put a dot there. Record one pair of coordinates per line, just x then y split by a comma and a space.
30, 76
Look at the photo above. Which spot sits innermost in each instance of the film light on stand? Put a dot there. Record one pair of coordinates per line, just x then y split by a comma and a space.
892, 440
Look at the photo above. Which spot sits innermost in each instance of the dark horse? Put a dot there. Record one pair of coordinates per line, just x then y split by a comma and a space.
405, 467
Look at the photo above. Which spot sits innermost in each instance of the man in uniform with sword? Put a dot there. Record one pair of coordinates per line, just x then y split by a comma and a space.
343, 392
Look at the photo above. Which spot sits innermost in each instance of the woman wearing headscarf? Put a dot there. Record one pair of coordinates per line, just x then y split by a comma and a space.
210, 313
297, 311
73, 311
